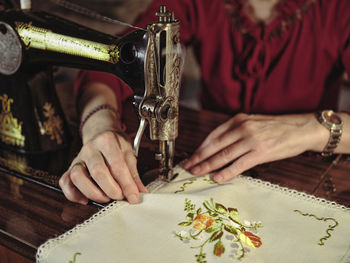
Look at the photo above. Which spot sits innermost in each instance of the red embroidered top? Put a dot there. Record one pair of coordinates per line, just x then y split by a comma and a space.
293, 64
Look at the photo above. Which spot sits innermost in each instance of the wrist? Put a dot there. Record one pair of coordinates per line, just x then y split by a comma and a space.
315, 136
319, 135
99, 119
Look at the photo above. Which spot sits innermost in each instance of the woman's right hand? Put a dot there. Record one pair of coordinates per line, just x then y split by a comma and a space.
104, 169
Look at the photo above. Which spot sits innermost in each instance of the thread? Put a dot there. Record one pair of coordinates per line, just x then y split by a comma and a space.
26, 4
92, 14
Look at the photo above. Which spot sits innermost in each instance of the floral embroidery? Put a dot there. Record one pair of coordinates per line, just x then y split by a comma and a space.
325, 219
75, 257
211, 223
192, 180
202, 222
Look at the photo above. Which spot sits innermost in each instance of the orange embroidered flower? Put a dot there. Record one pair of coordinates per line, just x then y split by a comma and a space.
219, 249
202, 222
250, 239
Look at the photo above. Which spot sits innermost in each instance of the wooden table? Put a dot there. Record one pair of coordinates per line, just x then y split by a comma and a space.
30, 213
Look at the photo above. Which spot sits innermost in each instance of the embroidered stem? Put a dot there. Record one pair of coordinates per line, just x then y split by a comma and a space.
241, 249
205, 179
192, 180
183, 187
201, 246
196, 235
75, 257
325, 219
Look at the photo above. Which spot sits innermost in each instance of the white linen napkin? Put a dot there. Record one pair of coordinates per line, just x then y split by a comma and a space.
193, 219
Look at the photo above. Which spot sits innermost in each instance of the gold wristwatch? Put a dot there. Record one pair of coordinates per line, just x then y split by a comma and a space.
334, 124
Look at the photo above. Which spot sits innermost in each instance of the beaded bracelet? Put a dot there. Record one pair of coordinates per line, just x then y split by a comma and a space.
93, 111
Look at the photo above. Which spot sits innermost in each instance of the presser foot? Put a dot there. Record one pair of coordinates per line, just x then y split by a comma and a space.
159, 174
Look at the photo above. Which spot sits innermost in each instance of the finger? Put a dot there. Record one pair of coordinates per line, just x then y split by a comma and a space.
216, 145
101, 174
217, 132
214, 136
115, 161
131, 162
223, 128
221, 158
70, 191
81, 179
242, 164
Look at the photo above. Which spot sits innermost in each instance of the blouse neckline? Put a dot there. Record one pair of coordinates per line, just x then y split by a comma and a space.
289, 12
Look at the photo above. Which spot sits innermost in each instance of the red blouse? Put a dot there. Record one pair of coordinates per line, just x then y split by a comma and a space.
294, 64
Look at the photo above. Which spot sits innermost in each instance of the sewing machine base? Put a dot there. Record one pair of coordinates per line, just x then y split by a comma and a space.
46, 169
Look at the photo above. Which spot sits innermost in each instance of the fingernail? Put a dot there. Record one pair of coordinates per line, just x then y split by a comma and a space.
133, 199
83, 201
195, 170
218, 178
186, 165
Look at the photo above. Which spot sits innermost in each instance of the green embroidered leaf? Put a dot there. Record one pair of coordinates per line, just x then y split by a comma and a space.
220, 208
200, 258
235, 220
189, 207
215, 236
184, 223
219, 220
212, 214
189, 216
219, 249
233, 211
199, 211
206, 205
212, 203
212, 228
231, 230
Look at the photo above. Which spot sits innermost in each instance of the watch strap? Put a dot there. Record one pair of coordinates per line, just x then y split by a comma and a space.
335, 130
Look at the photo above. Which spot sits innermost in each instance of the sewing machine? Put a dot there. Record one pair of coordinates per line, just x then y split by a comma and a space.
148, 60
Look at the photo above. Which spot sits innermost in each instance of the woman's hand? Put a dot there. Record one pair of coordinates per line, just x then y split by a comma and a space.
104, 169
245, 141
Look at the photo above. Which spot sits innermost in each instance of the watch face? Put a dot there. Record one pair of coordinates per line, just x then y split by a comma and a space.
332, 118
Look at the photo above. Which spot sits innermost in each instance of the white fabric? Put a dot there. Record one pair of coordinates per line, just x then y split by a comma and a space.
150, 231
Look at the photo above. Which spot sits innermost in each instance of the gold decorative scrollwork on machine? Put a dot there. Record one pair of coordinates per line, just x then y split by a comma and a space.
11, 128
54, 124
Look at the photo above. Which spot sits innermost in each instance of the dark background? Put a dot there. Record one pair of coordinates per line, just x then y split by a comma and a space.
127, 11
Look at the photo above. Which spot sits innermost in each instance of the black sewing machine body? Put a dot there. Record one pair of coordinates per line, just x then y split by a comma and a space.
32, 120
31, 43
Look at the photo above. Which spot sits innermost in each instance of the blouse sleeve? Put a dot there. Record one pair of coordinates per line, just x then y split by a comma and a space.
185, 11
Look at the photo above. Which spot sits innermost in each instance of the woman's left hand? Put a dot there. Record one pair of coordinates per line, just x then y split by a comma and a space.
245, 141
